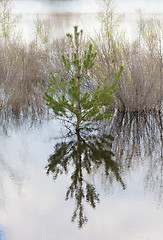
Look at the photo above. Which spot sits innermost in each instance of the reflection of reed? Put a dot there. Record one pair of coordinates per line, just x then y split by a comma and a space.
84, 155
154, 177
136, 135
138, 141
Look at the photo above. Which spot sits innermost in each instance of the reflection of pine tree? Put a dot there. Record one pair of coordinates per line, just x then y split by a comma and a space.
85, 154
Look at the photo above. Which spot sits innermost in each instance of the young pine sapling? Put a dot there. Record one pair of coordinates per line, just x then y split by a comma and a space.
68, 98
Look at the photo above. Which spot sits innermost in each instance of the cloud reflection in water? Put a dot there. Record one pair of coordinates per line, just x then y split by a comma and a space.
84, 155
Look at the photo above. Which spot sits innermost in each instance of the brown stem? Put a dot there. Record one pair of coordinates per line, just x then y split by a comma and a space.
78, 107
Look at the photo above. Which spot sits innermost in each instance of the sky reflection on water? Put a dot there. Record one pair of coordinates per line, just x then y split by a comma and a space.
85, 155
67, 14
32, 205
36, 208
84, 6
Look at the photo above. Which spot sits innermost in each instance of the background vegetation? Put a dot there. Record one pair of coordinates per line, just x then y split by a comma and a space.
25, 66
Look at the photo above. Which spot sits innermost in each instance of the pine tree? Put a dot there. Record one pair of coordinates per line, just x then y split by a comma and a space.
68, 99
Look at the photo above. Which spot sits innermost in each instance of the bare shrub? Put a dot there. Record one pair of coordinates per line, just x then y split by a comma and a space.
140, 87
25, 67
23, 81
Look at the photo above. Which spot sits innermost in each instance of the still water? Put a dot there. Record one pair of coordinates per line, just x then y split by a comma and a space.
84, 5
114, 187
83, 13
112, 181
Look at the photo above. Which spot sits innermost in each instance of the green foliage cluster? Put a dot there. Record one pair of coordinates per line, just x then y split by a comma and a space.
68, 100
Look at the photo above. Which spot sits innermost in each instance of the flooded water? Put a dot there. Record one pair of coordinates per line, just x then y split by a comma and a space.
113, 185
83, 5
106, 185
68, 13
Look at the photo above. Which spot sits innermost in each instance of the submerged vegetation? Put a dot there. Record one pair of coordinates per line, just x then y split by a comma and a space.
25, 66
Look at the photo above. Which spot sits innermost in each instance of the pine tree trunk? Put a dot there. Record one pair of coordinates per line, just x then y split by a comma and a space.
78, 106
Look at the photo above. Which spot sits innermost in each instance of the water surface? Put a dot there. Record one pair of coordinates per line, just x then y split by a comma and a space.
125, 201
82, 13
130, 206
